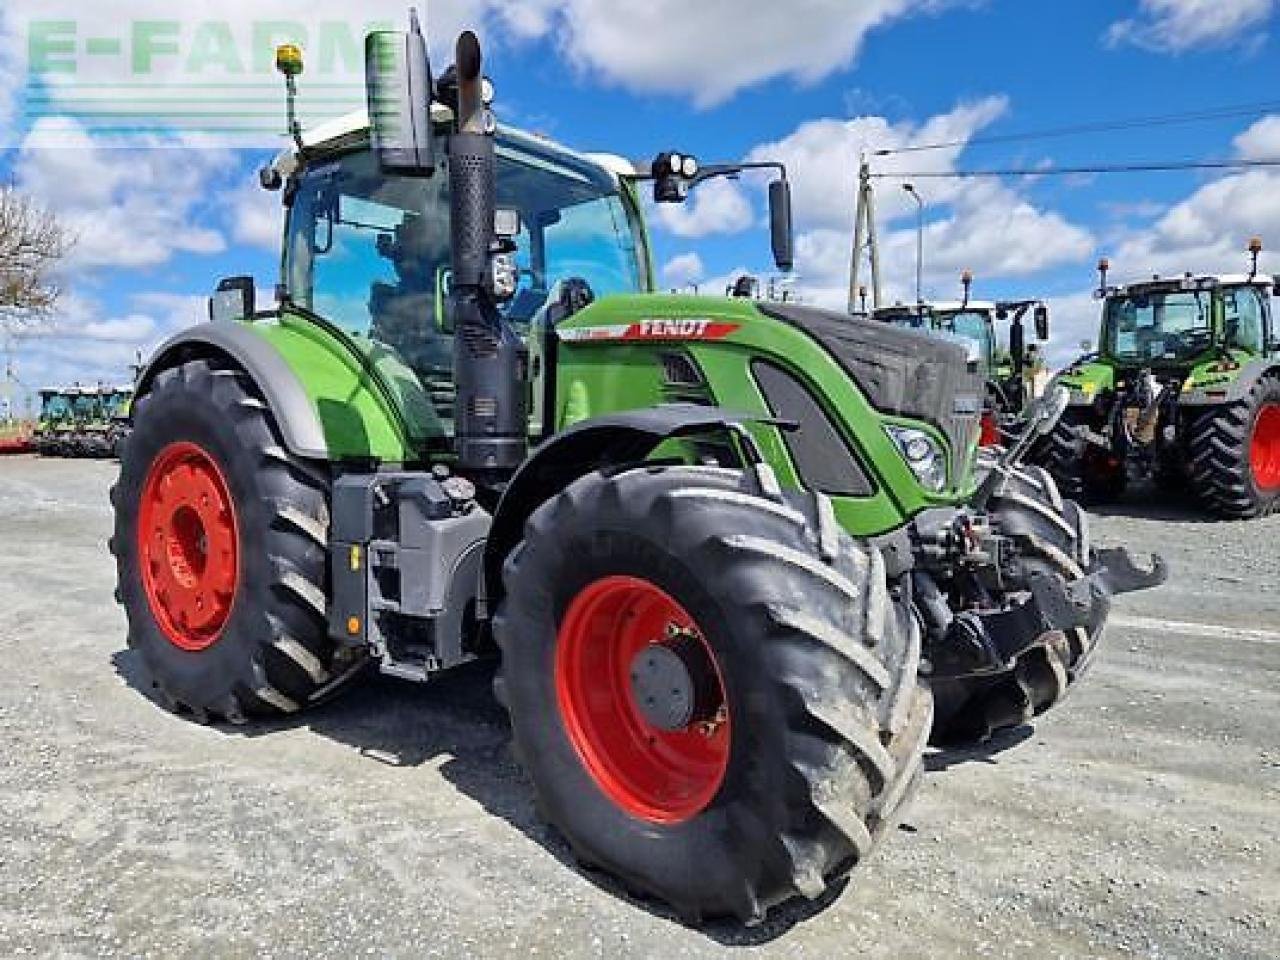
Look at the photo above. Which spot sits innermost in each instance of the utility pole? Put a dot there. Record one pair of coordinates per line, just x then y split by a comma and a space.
915, 195
864, 236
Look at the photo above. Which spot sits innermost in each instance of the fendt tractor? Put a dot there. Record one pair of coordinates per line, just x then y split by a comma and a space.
1184, 388
732, 556
978, 323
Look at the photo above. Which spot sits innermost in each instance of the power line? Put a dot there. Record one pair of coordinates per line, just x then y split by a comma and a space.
1156, 167
1108, 126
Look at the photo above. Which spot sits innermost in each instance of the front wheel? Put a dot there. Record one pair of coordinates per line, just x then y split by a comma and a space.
709, 707
1050, 533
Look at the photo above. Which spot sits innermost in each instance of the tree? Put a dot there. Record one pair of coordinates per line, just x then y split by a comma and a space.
32, 242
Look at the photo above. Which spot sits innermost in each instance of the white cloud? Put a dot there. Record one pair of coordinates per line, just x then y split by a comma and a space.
130, 208
1175, 26
716, 206
1261, 141
256, 215
822, 156
682, 270
711, 49
981, 225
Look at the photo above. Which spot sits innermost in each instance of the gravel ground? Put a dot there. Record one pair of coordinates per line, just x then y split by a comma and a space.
1142, 819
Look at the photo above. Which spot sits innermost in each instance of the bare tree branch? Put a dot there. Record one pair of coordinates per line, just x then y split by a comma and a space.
32, 242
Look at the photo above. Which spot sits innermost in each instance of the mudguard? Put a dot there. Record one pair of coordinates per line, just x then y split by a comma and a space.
1245, 380
299, 423
356, 404
612, 440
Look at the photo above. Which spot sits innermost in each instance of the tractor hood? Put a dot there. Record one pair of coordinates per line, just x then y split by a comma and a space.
903, 373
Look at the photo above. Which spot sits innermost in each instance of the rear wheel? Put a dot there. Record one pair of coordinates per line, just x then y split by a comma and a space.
221, 550
1235, 454
708, 707
1051, 535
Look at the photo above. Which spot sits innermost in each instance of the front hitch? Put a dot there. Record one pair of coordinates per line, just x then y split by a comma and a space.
991, 642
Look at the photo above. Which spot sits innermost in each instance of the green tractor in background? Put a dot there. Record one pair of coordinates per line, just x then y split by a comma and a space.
734, 556
1184, 388
108, 433
977, 322
54, 426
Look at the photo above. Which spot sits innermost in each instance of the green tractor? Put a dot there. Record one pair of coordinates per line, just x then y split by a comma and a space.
60, 416
977, 322
733, 557
114, 428
1184, 388
53, 428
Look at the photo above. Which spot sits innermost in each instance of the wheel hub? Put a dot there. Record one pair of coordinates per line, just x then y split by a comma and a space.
674, 684
642, 699
188, 547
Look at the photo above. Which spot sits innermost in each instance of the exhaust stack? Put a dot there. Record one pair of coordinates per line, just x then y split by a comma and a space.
490, 360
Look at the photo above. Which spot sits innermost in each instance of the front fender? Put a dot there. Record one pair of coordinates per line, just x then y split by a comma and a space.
614, 440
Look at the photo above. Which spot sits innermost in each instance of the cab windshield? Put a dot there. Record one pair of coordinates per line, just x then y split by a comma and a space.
1154, 327
971, 325
371, 253
86, 406
55, 407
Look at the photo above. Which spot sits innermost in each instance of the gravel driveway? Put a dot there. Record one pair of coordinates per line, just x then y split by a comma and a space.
1142, 819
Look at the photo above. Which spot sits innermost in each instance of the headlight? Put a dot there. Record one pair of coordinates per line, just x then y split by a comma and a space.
690, 167
923, 456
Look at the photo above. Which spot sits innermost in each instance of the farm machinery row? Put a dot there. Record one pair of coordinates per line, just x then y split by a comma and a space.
83, 421
735, 558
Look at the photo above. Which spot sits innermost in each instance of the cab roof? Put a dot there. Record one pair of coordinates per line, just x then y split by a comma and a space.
352, 130
1194, 282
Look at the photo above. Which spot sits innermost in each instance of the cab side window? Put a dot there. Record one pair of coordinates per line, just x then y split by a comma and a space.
1243, 312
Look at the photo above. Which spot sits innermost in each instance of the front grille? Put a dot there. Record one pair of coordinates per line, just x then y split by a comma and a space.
902, 373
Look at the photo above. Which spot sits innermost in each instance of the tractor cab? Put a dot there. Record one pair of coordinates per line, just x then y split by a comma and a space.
976, 323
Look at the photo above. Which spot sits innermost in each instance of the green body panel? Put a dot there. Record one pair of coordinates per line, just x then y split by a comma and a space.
1087, 380
371, 406
602, 376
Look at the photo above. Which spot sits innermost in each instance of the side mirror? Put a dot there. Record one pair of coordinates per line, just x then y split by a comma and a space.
780, 225
399, 87
234, 299
1042, 322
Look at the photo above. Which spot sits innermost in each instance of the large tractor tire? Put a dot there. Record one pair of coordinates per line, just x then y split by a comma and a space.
1052, 536
712, 691
1081, 473
1235, 454
221, 551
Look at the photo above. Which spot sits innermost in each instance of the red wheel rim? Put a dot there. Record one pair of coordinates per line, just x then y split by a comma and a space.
1264, 452
655, 774
990, 435
188, 547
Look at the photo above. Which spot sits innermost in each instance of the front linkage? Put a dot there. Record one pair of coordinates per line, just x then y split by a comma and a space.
1012, 595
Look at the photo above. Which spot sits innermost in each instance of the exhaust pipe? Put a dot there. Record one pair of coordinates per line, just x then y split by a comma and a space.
490, 361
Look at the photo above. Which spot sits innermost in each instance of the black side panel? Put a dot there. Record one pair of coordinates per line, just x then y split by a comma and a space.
819, 452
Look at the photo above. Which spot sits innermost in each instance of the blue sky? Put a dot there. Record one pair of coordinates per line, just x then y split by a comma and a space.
810, 82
